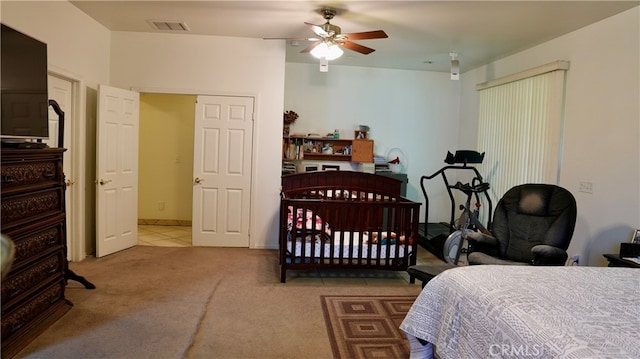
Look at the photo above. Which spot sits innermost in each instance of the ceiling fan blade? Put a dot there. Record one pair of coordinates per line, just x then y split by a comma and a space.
357, 47
376, 34
318, 30
311, 47
291, 38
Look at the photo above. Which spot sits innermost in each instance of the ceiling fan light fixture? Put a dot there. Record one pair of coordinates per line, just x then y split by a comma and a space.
329, 51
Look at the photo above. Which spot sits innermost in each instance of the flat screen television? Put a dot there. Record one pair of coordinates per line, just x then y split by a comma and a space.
23, 81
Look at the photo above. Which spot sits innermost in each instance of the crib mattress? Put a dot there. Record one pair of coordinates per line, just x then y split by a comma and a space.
359, 249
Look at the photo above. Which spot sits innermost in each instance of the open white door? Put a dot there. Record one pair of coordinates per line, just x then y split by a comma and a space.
116, 170
222, 171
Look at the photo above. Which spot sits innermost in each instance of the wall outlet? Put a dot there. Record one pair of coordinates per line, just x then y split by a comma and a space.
586, 187
160, 206
576, 258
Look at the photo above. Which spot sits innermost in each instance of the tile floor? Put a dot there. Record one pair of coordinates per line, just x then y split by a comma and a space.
164, 236
180, 236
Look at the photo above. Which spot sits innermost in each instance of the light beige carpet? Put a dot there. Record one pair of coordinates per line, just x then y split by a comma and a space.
364, 327
158, 302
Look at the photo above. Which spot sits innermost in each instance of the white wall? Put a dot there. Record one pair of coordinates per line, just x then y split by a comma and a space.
75, 42
77, 48
602, 126
181, 63
414, 111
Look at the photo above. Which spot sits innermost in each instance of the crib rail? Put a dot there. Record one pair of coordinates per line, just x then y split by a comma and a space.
337, 184
345, 219
374, 232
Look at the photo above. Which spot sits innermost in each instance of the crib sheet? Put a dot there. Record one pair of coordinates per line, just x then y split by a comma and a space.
306, 219
322, 248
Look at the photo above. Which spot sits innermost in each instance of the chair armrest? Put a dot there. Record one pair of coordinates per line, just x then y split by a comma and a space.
481, 238
545, 255
484, 243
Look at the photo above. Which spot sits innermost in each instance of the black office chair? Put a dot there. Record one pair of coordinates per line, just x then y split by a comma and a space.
532, 225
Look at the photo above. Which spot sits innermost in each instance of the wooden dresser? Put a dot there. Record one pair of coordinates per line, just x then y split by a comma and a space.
33, 216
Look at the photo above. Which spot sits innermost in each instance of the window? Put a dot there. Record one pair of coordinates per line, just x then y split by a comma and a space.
520, 127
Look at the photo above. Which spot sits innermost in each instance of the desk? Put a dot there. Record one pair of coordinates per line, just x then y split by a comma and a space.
616, 261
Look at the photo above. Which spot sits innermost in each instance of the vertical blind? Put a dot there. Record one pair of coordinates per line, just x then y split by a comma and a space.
520, 128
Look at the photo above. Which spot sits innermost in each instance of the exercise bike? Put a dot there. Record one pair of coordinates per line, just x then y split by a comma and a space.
468, 220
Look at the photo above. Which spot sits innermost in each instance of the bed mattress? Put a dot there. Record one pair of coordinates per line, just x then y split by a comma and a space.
529, 312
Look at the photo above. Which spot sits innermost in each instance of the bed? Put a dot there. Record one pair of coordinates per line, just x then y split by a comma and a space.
527, 312
345, 219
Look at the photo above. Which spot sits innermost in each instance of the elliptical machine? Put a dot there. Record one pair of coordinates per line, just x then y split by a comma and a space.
434, 235
454, 245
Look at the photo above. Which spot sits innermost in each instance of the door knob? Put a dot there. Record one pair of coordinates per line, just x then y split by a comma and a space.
104, 182
198, 180
69, 182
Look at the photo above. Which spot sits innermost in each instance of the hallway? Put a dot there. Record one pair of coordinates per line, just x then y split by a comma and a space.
164, 236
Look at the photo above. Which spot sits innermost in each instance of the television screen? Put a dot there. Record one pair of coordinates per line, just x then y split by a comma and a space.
23, 81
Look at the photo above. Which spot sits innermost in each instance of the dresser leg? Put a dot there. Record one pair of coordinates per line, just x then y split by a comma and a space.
71, 275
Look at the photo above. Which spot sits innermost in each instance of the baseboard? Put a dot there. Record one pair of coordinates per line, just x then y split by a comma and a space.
164, 222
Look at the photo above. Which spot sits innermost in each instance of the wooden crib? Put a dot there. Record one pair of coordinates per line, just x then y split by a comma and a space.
346, 219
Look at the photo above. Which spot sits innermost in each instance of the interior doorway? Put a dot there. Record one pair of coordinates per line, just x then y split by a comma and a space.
165, 167
64, 88
171, 192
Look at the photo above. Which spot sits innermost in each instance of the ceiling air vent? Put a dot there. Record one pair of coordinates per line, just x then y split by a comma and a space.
165, 25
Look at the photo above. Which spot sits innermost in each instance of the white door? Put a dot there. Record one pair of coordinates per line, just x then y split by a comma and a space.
116, 170
222, 171
61, 90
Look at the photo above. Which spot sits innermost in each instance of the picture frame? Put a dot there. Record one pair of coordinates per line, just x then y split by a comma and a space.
360, 135
635, 238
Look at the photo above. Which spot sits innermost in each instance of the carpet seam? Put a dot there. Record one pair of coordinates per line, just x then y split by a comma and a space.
203, 314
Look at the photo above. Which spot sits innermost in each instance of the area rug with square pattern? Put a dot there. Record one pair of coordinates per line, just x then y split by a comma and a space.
366, 326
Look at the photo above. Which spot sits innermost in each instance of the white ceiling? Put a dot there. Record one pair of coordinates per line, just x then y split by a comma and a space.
421, 33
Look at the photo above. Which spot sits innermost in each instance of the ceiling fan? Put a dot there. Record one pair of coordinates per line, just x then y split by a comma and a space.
331, 39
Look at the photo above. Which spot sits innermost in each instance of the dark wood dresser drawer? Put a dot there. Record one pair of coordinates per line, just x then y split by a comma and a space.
31, 278
27, 169
39, 173
42, 309
16, 210
37, 239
